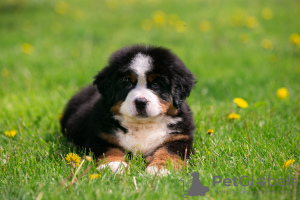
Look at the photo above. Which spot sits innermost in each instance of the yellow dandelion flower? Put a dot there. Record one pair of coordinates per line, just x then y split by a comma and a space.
88, 158
180, 26
210, 131
266, 44
234, 116
111, 4
288, 163
244, 38
147, 25
159, 18
61, 7
251, 22
5, 72
240, 102
27, 48
238, 18
73, 159
11, 133
205, 26
267, 13
295, 39
282, 93
94, 176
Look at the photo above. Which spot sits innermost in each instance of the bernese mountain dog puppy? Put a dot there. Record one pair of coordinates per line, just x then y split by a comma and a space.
137, 105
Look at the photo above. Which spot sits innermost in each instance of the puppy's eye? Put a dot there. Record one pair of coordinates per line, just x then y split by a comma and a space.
155, 85
128, 85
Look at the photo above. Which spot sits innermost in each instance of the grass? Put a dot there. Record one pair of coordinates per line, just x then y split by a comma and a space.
69, 43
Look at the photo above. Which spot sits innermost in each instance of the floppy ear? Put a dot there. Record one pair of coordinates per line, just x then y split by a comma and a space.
104, 82
182, 83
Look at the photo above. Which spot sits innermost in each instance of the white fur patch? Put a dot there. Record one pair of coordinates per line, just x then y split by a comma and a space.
152, 170
153, 107
116, 167
145, 135
140, 65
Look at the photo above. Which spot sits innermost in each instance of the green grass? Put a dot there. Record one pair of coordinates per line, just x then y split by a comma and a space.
69, 49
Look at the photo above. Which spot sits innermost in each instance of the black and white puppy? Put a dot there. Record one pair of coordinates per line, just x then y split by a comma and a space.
136, 104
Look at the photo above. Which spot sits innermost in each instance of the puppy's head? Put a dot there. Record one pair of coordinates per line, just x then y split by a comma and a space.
144, 82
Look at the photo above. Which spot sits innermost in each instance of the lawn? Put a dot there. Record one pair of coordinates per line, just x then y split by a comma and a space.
236, 48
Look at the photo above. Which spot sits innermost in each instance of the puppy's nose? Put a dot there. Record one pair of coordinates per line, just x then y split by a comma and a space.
140, 103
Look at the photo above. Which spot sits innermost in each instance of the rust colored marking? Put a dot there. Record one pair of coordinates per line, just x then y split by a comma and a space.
173, 138
167, 108
113, 154
115, 109
162, 157
132, 78
151, 77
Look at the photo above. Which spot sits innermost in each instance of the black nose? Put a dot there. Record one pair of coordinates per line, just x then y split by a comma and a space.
140, 104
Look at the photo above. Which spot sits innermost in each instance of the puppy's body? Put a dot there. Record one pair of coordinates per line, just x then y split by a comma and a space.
137, 104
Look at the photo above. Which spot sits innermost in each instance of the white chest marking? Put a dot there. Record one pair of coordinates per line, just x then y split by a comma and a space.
144, 137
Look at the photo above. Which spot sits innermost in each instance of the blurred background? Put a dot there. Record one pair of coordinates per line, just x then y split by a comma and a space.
49, 49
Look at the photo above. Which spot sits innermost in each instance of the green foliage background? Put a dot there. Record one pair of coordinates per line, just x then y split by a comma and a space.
50, 49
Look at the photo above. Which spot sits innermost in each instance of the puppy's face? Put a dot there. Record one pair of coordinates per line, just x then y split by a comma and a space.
143, 91
143, 83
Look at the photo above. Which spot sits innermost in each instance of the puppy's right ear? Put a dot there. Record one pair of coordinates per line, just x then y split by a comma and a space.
104, 82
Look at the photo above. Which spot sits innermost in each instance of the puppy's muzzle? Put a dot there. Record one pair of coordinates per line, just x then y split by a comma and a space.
141, 104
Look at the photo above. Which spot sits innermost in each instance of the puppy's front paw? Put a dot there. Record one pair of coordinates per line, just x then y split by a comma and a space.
152, 170
116, 167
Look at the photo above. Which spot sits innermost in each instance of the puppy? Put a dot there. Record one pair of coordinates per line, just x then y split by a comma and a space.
136, 104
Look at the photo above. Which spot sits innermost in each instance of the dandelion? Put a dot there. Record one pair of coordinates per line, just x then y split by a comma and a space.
237, 20
234, 116
5, 72
147, 25
61, 7
288, 163
240, 102
27, 48
11, 133
210, 132
205, 26
73, 159
266, 44
94, 176
267, 14
159, 18
251, 22
88, 158
244, 38
180, 26
282, 93
295, 39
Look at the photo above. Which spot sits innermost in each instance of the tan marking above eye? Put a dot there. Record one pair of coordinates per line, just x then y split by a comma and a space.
151, 77
132, 78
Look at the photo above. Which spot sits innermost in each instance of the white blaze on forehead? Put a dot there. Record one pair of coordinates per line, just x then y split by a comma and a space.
140, 65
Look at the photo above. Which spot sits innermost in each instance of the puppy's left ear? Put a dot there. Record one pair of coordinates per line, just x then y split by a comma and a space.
182, 83
104, 82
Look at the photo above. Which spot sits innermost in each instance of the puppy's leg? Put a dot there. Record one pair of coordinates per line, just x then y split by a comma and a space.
172, 151
114, 158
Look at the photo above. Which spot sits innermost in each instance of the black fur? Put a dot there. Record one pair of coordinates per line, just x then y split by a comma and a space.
88, 113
